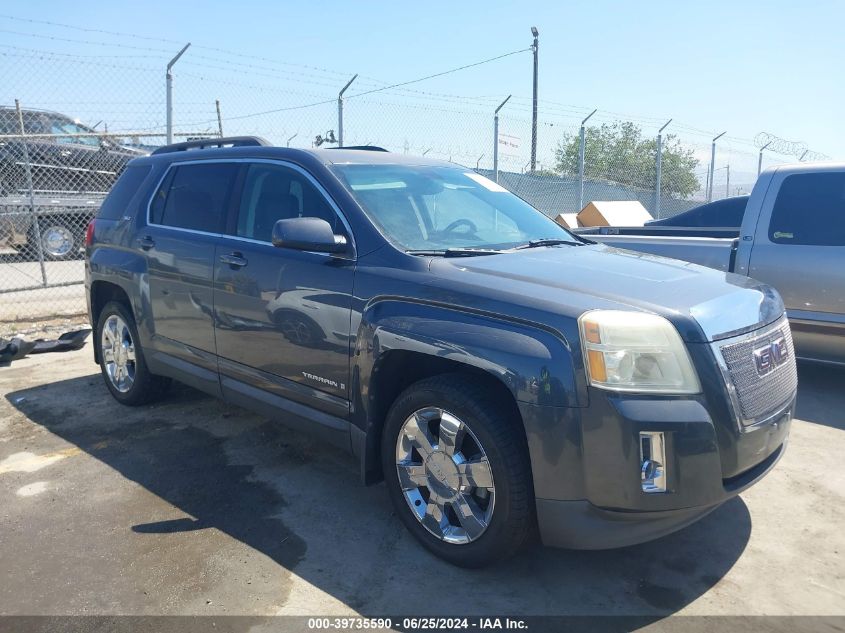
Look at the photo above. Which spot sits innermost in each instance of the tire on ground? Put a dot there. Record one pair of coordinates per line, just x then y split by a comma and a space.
482, 408
147, 387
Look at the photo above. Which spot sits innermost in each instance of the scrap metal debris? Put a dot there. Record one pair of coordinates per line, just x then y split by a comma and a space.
17, 348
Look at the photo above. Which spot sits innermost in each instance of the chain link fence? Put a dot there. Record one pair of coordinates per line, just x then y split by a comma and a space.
79, 119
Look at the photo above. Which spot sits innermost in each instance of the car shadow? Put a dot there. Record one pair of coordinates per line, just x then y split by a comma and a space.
300, 503
821, 398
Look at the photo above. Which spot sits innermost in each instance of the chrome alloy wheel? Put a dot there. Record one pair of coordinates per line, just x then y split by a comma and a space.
57, 241
445, 475
117, 351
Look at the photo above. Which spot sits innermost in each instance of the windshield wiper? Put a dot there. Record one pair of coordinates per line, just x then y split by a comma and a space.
549, 241
455, 252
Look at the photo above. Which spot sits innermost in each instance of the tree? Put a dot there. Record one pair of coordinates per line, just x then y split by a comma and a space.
618, 152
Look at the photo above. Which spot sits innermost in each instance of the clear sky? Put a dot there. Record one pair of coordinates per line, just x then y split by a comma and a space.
745, 67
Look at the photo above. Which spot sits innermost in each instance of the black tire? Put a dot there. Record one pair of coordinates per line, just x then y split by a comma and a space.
146, 387
513, 522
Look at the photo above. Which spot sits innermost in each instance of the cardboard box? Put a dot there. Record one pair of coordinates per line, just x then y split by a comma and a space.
613, 213
567, 220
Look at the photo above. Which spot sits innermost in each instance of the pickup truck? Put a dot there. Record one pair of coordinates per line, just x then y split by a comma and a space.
499, 373
792, 237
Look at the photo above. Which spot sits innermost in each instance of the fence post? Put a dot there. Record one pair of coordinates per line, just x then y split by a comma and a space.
728, 183
340, 111
28, 170
496, 138
581, 149
219, 118
169, 90
659, 169
713, 166
760, 158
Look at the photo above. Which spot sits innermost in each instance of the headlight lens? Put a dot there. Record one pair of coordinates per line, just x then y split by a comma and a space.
635, 351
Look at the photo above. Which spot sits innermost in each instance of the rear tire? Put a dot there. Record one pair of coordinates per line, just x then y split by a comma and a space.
122, 359
457, 470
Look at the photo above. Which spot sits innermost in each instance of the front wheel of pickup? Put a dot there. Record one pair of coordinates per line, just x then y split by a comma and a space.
457, 470
122, 359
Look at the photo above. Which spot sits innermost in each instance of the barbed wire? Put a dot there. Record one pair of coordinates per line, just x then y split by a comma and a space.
788, 148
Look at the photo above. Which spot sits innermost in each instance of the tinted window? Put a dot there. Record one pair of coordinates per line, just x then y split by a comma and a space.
33, 122
195, 197
810, 209
273, 192
722, 213
117, 202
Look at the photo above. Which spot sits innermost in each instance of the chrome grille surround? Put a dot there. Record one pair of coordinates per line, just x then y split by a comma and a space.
757, 399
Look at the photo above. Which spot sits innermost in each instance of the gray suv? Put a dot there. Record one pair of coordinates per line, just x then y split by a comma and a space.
505, 378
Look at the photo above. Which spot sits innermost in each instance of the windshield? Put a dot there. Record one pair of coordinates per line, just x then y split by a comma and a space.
422, 208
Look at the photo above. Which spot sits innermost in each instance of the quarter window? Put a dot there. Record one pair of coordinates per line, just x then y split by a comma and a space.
195, 197
116, 203
810, 210
274, 192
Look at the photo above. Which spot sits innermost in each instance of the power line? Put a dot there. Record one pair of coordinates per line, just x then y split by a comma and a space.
440, 74
367, 92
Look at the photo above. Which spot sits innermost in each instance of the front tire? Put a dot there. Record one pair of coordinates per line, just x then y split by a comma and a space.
457, 470
122, 359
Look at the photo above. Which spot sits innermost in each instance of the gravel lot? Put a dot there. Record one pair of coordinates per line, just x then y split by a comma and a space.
193, 506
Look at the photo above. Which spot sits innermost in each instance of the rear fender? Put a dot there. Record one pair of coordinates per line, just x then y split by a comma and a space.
128, 271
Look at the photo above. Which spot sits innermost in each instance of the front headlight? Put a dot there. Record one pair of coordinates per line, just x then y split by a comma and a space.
635, 352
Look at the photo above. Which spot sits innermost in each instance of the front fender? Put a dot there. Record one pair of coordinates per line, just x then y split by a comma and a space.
535, 363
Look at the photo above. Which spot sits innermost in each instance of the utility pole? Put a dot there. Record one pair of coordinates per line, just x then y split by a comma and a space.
658, 169
713, 165
760, 158
535, 48
169, 90
340, 111
496, 138
582, 144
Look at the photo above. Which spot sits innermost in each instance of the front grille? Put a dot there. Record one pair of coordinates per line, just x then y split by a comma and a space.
760, 388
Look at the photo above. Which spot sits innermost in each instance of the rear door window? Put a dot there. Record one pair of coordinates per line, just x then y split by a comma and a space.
195, 197
810, 210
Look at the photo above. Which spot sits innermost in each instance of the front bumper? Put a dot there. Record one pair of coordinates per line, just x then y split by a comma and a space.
582, 525
594, 499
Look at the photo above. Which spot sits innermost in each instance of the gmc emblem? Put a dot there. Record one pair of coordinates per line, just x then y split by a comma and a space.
768, 357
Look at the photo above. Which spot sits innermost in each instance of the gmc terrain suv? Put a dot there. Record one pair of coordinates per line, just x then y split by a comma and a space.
501, 375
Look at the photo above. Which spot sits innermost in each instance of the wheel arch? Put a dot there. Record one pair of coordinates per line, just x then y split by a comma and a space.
103, 293
402, 342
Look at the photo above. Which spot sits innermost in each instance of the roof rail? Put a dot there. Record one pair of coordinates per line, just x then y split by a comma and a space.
368, 148
226, 141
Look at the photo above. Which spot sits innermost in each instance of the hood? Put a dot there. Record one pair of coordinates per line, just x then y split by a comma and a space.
697, 300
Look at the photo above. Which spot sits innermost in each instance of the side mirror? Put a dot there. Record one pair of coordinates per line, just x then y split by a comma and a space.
307, 234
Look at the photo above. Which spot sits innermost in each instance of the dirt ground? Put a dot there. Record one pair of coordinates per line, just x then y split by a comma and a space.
193, 506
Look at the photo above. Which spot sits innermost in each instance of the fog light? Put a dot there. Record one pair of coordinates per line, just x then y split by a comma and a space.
652, 462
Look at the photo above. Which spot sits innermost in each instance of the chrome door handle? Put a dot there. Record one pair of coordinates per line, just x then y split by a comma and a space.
235, 260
